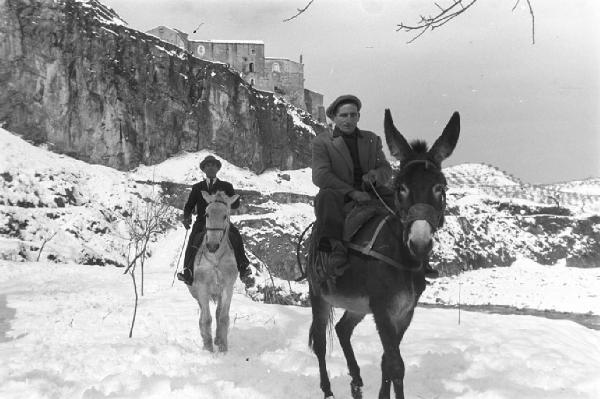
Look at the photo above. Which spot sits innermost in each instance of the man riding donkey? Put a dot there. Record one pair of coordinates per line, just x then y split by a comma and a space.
348, 166
211, 184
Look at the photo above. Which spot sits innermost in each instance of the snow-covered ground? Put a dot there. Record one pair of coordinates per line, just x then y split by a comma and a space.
64, 335
524, 285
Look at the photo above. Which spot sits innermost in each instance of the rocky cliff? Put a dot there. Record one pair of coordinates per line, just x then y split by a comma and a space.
72, 74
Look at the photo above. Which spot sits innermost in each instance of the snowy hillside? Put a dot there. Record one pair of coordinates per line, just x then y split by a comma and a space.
185, 169
589, 186
64, 210
75, 209
471, 174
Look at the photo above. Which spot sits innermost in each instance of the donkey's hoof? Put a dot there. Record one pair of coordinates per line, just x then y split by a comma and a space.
208, 347
222, 348
356, 390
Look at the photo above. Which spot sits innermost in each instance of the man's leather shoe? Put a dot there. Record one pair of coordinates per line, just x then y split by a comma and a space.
186, 276
246, 277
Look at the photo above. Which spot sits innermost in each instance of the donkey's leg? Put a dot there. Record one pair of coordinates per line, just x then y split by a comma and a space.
222, 315
317, 337
392, 365
205, 320
344, 329
401, 326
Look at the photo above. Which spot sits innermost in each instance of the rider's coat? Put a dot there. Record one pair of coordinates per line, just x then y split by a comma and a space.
332, 166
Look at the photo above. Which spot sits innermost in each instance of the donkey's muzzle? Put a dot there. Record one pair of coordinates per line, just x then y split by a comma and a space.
420, 239
212, 247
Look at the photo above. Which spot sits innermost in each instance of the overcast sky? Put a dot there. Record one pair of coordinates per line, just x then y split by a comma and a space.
532, 110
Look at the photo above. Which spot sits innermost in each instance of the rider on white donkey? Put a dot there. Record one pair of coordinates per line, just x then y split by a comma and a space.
346, 165
211, 184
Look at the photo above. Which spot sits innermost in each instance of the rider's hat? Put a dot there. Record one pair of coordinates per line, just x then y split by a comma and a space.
345, 99
210, 159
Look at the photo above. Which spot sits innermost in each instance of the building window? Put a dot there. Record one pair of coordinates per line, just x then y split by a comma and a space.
200, 50
251, 66
276, 67
252, 51
252, 82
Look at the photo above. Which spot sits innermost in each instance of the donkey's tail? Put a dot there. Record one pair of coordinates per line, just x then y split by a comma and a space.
311, 331
298, 258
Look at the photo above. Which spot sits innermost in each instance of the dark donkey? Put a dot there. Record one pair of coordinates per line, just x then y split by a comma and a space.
370, 285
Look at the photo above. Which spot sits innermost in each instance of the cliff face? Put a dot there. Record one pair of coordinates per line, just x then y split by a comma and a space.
73, 75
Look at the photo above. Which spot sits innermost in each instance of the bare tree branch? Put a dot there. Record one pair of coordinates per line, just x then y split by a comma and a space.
300, 11
532, 22
447, 14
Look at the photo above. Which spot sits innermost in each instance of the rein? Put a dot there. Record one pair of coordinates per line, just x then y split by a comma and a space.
368, 250
381, 199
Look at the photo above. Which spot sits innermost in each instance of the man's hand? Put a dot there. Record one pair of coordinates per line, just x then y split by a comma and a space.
370, 177
187, 221
359, 196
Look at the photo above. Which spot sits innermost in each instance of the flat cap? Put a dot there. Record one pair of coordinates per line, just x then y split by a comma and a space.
346, 98
210, 159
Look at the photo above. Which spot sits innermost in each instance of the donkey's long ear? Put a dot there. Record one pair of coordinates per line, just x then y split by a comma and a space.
232, 199
208, 197
396, 142
444, 145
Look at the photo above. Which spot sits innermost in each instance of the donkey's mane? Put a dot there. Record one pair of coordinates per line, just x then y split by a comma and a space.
419, 146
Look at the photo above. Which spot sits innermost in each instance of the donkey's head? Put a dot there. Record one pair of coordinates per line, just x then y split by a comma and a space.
419, 184
217, 218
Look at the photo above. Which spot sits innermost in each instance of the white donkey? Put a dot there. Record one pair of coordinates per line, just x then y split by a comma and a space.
215, 270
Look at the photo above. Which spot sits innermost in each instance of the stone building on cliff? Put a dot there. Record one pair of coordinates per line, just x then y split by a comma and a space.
281, 76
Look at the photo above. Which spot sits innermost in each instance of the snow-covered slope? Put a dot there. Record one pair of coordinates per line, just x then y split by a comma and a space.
76, 209
185, 169
471, 174
75, 212
589, 186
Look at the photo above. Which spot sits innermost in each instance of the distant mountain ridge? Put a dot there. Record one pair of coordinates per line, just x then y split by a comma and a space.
577, 195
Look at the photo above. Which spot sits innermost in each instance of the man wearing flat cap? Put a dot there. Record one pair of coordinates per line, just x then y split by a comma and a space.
211, 184
346, 165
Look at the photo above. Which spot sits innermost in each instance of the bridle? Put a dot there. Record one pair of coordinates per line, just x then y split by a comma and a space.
420, 210
222, 229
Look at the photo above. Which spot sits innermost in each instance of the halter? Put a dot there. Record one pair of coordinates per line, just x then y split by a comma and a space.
223, 229
427, 163
422, 211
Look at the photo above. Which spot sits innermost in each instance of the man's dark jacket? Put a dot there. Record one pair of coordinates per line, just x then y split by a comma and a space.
195, 200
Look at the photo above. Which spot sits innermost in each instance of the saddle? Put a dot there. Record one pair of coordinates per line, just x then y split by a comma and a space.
362, 226
357, 217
